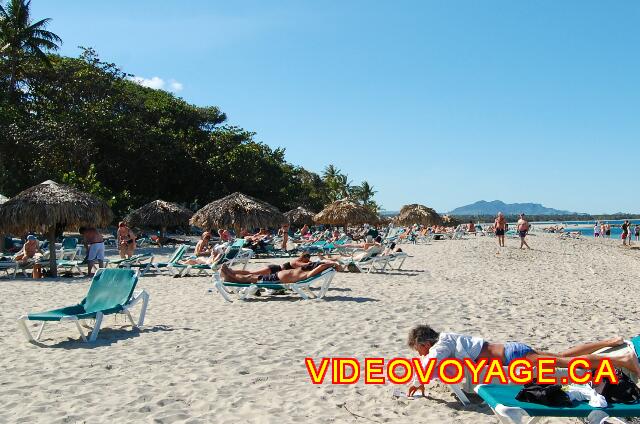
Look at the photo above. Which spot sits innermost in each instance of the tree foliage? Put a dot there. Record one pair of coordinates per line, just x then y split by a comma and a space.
85, 122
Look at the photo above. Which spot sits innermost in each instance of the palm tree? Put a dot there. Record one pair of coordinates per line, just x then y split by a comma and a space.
21, 39
330, 173
365, 192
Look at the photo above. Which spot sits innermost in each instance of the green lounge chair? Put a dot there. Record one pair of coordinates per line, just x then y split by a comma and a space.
502, 400
172, 265
141, 261
111, 292
244, 290
235, 254
10, 265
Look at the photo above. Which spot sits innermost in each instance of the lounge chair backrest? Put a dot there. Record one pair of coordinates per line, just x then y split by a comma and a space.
110, 289
69, 243
178, 253
239, 242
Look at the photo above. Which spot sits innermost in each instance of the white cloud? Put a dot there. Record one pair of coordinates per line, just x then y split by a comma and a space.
158, 83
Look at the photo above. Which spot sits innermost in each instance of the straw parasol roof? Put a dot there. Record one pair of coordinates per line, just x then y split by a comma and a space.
50, 206
300, 216
3, 199
450, 220
238, 210
418, 214
342, 212
159, 214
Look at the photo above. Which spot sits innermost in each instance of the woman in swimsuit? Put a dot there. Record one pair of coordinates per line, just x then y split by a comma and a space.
126, 240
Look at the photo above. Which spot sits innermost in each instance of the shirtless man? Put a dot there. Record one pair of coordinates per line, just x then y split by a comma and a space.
287, 276
94, 245
523, 230
500, 225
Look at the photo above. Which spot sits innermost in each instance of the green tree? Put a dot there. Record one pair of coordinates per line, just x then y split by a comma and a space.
22, 40
338, 184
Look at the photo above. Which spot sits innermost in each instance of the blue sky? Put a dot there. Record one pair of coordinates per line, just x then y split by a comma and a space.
436, 102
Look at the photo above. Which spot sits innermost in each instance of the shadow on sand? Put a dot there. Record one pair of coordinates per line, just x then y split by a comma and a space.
109, 336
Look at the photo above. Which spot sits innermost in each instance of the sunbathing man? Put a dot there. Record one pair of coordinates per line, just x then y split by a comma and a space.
500, 225
287, 276
94, 246
29, 250
431, 344
303, 261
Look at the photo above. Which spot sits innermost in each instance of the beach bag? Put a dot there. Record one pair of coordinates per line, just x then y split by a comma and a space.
544, 394
625, 391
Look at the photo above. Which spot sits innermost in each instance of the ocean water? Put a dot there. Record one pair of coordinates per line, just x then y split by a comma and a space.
586, 227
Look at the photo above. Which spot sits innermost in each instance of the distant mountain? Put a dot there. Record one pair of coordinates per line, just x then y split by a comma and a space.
491, 208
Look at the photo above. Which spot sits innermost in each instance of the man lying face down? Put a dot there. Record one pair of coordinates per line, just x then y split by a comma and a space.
431, 344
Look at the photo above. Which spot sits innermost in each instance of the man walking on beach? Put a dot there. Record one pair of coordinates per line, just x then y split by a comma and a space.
500, 225
94, 246
625, 232
523, 230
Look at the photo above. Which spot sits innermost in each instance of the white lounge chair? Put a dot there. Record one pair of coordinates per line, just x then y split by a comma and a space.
367, 260
244, 290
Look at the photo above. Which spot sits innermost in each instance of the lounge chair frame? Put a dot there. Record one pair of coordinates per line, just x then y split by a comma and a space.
244, 290
137, 297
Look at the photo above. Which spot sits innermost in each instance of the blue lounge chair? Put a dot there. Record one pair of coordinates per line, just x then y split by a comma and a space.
502, 400
111, 292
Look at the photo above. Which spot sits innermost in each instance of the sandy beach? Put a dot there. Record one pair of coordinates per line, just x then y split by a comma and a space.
199, 359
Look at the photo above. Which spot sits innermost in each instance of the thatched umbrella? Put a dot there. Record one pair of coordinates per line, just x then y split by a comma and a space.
159, 214
418, 214
300, 216
450, 221
343, 212
238, 210
50, 206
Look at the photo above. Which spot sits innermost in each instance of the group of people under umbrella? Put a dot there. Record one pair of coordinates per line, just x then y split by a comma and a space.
50, 209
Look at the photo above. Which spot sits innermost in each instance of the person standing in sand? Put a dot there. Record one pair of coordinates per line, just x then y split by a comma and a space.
625, 232
94, 246
637, 232
126, 240
500, 225
523, 230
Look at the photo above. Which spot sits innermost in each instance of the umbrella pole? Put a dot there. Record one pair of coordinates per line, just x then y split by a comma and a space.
163, 230
1, 243
53, 265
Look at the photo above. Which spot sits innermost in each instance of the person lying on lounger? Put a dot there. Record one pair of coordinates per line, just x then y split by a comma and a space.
303, 261
286, 276
431, 344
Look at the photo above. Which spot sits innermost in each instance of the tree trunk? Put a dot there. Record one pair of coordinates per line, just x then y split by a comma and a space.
53, 264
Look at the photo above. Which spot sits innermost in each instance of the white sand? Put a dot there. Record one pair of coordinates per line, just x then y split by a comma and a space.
199, 359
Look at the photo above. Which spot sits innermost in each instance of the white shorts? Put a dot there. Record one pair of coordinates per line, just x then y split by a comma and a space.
96, 252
